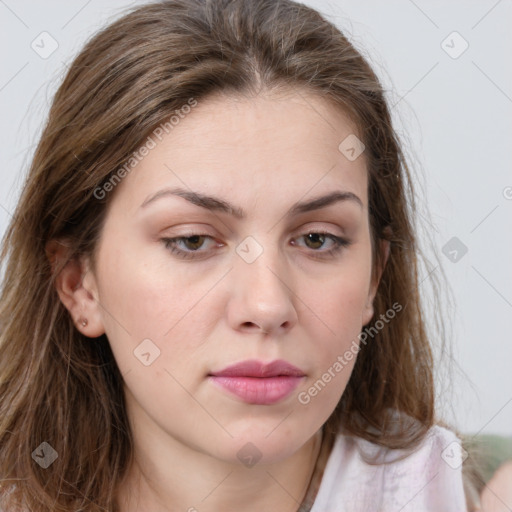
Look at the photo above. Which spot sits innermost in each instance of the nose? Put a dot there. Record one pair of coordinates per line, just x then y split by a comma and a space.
262, 298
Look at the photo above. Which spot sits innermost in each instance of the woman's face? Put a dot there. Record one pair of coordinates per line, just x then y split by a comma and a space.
245, 282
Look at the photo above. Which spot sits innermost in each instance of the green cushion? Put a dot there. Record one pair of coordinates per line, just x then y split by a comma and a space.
491, 451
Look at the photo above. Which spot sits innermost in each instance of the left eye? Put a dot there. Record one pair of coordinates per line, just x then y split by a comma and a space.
315, 237
192, 243
195, 241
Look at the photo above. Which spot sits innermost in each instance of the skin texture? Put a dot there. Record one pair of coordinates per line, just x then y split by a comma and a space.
262, 154
497, 494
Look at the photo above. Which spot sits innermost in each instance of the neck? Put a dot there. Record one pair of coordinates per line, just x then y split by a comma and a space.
167, 475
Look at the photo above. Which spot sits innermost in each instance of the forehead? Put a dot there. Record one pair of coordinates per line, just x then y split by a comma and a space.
276, 146
282, 120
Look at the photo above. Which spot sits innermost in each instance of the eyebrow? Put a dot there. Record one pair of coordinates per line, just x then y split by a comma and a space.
216, 204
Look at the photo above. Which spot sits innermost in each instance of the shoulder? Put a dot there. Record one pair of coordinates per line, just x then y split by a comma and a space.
362, 476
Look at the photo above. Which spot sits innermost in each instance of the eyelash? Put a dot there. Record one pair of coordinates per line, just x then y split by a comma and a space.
339, 244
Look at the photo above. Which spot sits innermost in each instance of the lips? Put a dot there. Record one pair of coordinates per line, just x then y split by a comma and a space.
254, 368
258, 383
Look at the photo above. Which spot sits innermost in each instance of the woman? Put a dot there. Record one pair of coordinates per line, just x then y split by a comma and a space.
211, 297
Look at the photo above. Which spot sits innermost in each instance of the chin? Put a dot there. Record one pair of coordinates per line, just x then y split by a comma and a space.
258, 444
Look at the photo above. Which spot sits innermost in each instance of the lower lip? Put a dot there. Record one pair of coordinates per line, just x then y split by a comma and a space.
256, 390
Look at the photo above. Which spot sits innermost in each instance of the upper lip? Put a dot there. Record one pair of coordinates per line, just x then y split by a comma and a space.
254, 368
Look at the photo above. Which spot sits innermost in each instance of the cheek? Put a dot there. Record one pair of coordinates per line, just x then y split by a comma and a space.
146, 297
338, 320
135, 302
338, 305
142, 292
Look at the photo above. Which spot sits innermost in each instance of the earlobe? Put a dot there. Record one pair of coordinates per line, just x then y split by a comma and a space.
367, 312
76, 287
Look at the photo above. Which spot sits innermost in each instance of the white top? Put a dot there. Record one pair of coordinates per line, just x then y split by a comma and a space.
428, 480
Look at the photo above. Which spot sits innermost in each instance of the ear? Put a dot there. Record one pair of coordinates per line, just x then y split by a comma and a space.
77, 289
368, 311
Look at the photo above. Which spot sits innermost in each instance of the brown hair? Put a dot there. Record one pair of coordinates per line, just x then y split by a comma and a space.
130, 77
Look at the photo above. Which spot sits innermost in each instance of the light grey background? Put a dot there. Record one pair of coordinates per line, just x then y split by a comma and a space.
453, 114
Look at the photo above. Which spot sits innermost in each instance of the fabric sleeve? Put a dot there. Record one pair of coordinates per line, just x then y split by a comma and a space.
431, 478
